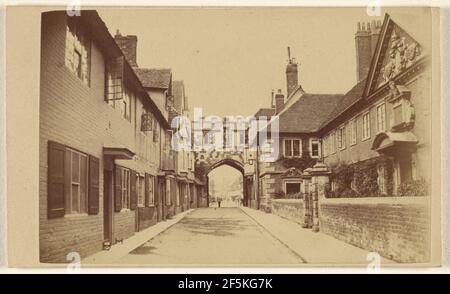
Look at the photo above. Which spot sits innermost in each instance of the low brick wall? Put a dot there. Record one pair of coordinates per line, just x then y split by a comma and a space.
291, 209
397, 228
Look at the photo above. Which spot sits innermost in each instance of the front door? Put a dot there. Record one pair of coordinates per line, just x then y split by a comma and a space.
107, 205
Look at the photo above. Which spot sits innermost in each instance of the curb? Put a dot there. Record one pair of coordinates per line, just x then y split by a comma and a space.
273, 235
109, 257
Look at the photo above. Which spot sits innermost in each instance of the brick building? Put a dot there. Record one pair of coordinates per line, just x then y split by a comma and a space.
385, 114
373, 141
106, 166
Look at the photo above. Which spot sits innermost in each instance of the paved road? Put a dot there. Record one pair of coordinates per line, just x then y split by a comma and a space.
210, 236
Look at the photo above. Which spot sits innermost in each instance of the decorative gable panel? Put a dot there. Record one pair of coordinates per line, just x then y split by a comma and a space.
396, 51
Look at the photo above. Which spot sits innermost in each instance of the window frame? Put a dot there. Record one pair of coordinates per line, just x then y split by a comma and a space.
68, 194
384, 127
365, 129
341, 142
311, 142
125, 179
353, 132
140, 188
291, 140
291, 181
333, 142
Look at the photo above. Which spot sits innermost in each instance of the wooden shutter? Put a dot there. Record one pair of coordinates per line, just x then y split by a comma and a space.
55, 190
118, 189
133, 190
94, 179
147, 189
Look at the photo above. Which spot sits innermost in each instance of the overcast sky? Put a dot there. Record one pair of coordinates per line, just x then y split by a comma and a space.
231, 58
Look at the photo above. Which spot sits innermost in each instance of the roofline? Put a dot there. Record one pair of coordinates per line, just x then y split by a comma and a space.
376, 55
92, 15
374, 94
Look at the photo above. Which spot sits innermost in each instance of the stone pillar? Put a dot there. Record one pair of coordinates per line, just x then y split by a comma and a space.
306, 181
320, 179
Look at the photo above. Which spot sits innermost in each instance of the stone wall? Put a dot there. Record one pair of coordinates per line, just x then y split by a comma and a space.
397, 228
291, 209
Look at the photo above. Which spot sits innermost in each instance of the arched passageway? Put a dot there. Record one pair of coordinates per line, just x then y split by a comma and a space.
225, 180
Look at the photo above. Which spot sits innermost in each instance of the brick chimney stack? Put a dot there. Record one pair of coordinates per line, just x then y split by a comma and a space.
279, 101
128, 45
291, 74
366, 39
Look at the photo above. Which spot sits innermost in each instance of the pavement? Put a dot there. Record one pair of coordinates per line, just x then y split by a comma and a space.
109, 257
230, 236
313, 247
213, 236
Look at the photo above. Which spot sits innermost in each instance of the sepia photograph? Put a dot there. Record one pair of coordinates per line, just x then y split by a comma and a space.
230, 136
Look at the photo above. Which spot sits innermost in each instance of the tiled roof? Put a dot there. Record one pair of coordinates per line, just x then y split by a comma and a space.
308, 113
348, 100
267, 112
154, 78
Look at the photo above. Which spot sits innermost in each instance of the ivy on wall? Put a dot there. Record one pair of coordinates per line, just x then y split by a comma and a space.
300, 163
413, 188
361, 179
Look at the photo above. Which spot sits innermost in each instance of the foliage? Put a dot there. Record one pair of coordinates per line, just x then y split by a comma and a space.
300, 163
298, 195
200, 170
364, 175
413, 188
279, 194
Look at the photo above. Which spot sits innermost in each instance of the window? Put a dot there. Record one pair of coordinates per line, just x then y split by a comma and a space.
332, 143
341, 138
150, 190
76, 181
314, 147
366, 126
140, 187
292, 147
352, 132
113, 80
291, 187
77, 51
381, 118
125, 188
168, 192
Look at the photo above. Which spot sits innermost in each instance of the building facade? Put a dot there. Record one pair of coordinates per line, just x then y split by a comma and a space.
383, 119
106, 165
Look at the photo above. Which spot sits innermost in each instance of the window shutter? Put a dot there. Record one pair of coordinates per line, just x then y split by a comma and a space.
55, 190
133, 191
118, 190
94, 179
147, 189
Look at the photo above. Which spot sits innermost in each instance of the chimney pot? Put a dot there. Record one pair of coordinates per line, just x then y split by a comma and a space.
291, 74
279, 101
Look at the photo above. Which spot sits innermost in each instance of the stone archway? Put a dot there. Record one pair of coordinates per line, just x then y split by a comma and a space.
205, 162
